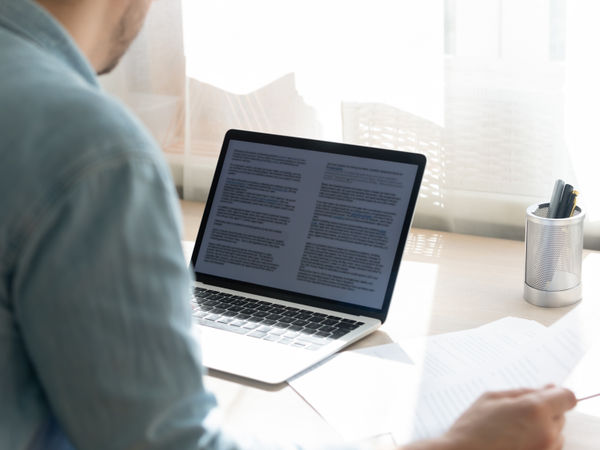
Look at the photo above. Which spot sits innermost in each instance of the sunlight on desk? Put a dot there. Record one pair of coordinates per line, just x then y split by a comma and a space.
427, 244
412, 303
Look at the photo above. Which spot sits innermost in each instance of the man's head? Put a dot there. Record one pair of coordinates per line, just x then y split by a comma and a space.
103, 29
128, 26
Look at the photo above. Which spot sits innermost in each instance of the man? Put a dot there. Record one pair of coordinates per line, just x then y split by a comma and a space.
95, 344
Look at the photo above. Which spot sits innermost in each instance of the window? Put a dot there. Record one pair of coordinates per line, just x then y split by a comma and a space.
500, 95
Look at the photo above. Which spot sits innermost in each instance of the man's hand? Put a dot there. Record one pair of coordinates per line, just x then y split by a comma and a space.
522, 419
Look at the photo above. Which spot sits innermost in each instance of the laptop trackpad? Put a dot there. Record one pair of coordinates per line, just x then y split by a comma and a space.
252, 358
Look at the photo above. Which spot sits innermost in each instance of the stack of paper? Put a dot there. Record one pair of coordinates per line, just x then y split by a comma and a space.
548, 356
419, 388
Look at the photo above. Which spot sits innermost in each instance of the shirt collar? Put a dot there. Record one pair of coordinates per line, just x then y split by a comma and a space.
31, 21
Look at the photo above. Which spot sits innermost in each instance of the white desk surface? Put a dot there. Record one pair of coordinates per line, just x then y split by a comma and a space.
447, 282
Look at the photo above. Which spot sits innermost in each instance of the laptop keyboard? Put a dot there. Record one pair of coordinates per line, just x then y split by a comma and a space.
269, 321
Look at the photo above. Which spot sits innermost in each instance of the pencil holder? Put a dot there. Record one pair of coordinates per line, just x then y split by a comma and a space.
553, 256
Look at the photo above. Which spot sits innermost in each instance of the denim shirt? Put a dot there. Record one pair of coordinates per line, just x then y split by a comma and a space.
96, 347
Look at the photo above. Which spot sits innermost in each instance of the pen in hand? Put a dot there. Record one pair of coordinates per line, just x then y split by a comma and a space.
589, 396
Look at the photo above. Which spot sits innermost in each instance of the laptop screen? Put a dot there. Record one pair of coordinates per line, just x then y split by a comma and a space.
325, 224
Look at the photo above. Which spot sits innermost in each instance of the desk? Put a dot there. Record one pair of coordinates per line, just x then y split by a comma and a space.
447, 282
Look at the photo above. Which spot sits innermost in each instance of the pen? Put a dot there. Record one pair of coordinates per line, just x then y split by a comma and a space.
563, 207
555, 199
574, 194
589, 396
568, 206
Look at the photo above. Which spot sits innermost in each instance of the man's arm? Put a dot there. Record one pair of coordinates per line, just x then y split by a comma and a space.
101, 296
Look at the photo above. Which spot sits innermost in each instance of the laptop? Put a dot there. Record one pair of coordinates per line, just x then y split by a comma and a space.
298, 250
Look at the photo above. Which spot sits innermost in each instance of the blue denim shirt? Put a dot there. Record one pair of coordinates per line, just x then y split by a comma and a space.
96, 349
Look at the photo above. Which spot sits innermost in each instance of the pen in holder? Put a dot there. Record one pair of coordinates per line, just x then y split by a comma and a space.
553, 257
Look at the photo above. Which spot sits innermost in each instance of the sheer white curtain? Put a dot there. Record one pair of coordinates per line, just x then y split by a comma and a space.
501, 95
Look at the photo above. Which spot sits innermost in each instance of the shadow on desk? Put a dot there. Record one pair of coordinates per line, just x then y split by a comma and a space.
246, 381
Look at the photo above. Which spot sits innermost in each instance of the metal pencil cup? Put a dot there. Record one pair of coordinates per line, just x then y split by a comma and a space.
553, 256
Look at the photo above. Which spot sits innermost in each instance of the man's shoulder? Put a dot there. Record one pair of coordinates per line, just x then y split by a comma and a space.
87, 119
57, 129
47, 102
74, 116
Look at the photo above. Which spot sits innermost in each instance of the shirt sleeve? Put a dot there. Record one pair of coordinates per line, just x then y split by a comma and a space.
102, 300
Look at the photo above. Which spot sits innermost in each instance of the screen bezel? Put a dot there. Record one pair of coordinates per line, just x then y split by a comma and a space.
416, 159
